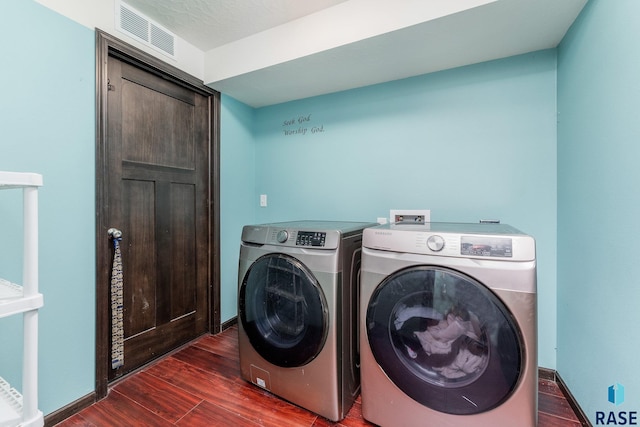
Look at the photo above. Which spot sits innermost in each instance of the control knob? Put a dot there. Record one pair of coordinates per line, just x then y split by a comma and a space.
282, 236
435, 243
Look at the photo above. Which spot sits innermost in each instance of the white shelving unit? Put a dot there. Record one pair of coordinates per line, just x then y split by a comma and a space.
18, 409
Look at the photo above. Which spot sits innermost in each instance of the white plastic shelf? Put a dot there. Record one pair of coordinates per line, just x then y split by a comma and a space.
13, 301
21, 410
19, 180
10, 405
11, 408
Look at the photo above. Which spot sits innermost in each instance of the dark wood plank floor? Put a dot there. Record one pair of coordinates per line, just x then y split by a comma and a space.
200, 385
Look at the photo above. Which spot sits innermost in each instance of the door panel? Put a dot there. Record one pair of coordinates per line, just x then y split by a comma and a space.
183, 251
158, 195
159, 120
283, 310
138, 205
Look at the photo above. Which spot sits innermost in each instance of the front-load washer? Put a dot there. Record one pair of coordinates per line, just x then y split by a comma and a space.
448, 327
298, 310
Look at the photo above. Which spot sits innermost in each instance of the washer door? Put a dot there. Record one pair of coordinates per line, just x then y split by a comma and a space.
283, 310
445, 340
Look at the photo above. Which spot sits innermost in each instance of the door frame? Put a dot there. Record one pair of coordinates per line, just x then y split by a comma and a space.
107, 45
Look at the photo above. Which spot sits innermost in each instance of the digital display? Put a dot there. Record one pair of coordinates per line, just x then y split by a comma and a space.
499, 247
311, 238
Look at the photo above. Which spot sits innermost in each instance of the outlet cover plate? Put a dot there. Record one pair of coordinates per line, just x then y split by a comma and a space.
409, 216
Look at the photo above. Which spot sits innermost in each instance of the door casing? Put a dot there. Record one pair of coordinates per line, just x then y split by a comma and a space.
107, 45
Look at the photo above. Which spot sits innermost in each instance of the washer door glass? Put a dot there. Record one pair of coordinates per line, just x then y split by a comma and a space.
445, 340
283, 310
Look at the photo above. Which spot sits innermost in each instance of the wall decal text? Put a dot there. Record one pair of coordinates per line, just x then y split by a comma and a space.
301, 125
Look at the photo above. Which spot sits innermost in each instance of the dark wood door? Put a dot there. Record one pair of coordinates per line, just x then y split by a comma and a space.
157, 194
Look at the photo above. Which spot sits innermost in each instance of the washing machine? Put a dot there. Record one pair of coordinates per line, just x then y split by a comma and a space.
448, 333
298, 310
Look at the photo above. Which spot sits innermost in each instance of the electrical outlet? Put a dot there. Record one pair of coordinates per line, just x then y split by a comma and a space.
410, 216
263, 200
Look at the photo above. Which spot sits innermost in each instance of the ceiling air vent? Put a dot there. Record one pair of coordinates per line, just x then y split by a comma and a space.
143, 29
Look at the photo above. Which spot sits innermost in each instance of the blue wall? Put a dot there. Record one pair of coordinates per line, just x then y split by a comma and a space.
598, 205
471, 143
237, 186
475, 142
47, 117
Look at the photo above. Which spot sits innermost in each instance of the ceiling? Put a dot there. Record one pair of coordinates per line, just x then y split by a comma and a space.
208, 24
264, 52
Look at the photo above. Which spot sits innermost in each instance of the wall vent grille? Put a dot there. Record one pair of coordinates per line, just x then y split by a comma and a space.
143, 29
162, 39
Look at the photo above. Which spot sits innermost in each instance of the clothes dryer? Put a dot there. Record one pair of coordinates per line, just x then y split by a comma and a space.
298, 312
448, 326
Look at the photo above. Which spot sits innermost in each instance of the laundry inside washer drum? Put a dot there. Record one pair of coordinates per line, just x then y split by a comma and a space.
450, 333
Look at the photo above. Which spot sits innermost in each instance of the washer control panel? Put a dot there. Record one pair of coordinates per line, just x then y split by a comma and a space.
499, 247
466, 245
478, 241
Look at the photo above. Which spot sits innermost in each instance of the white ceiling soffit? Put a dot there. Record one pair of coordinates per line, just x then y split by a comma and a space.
321, 53
264, 52
207, 24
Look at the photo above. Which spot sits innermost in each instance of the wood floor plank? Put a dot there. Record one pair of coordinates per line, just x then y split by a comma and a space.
555, 405
76, 420
208, 414
200, 386
260, 406
158, 396
548, 420
210, 362
235, 395
549, 387
201, 383
224, 344
118, 411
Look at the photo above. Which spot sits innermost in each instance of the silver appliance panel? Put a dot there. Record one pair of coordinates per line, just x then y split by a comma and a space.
302, 234
482, 241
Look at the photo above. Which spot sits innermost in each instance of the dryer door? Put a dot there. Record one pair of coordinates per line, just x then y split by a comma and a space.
445, 340
283, 310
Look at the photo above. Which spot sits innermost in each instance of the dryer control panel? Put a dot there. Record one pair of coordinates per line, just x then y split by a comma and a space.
308, 239
303, 235
291, 237
311, 238
478, 241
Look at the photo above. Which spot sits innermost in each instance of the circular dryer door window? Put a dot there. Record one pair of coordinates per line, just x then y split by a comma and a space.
283, 310
445, 340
